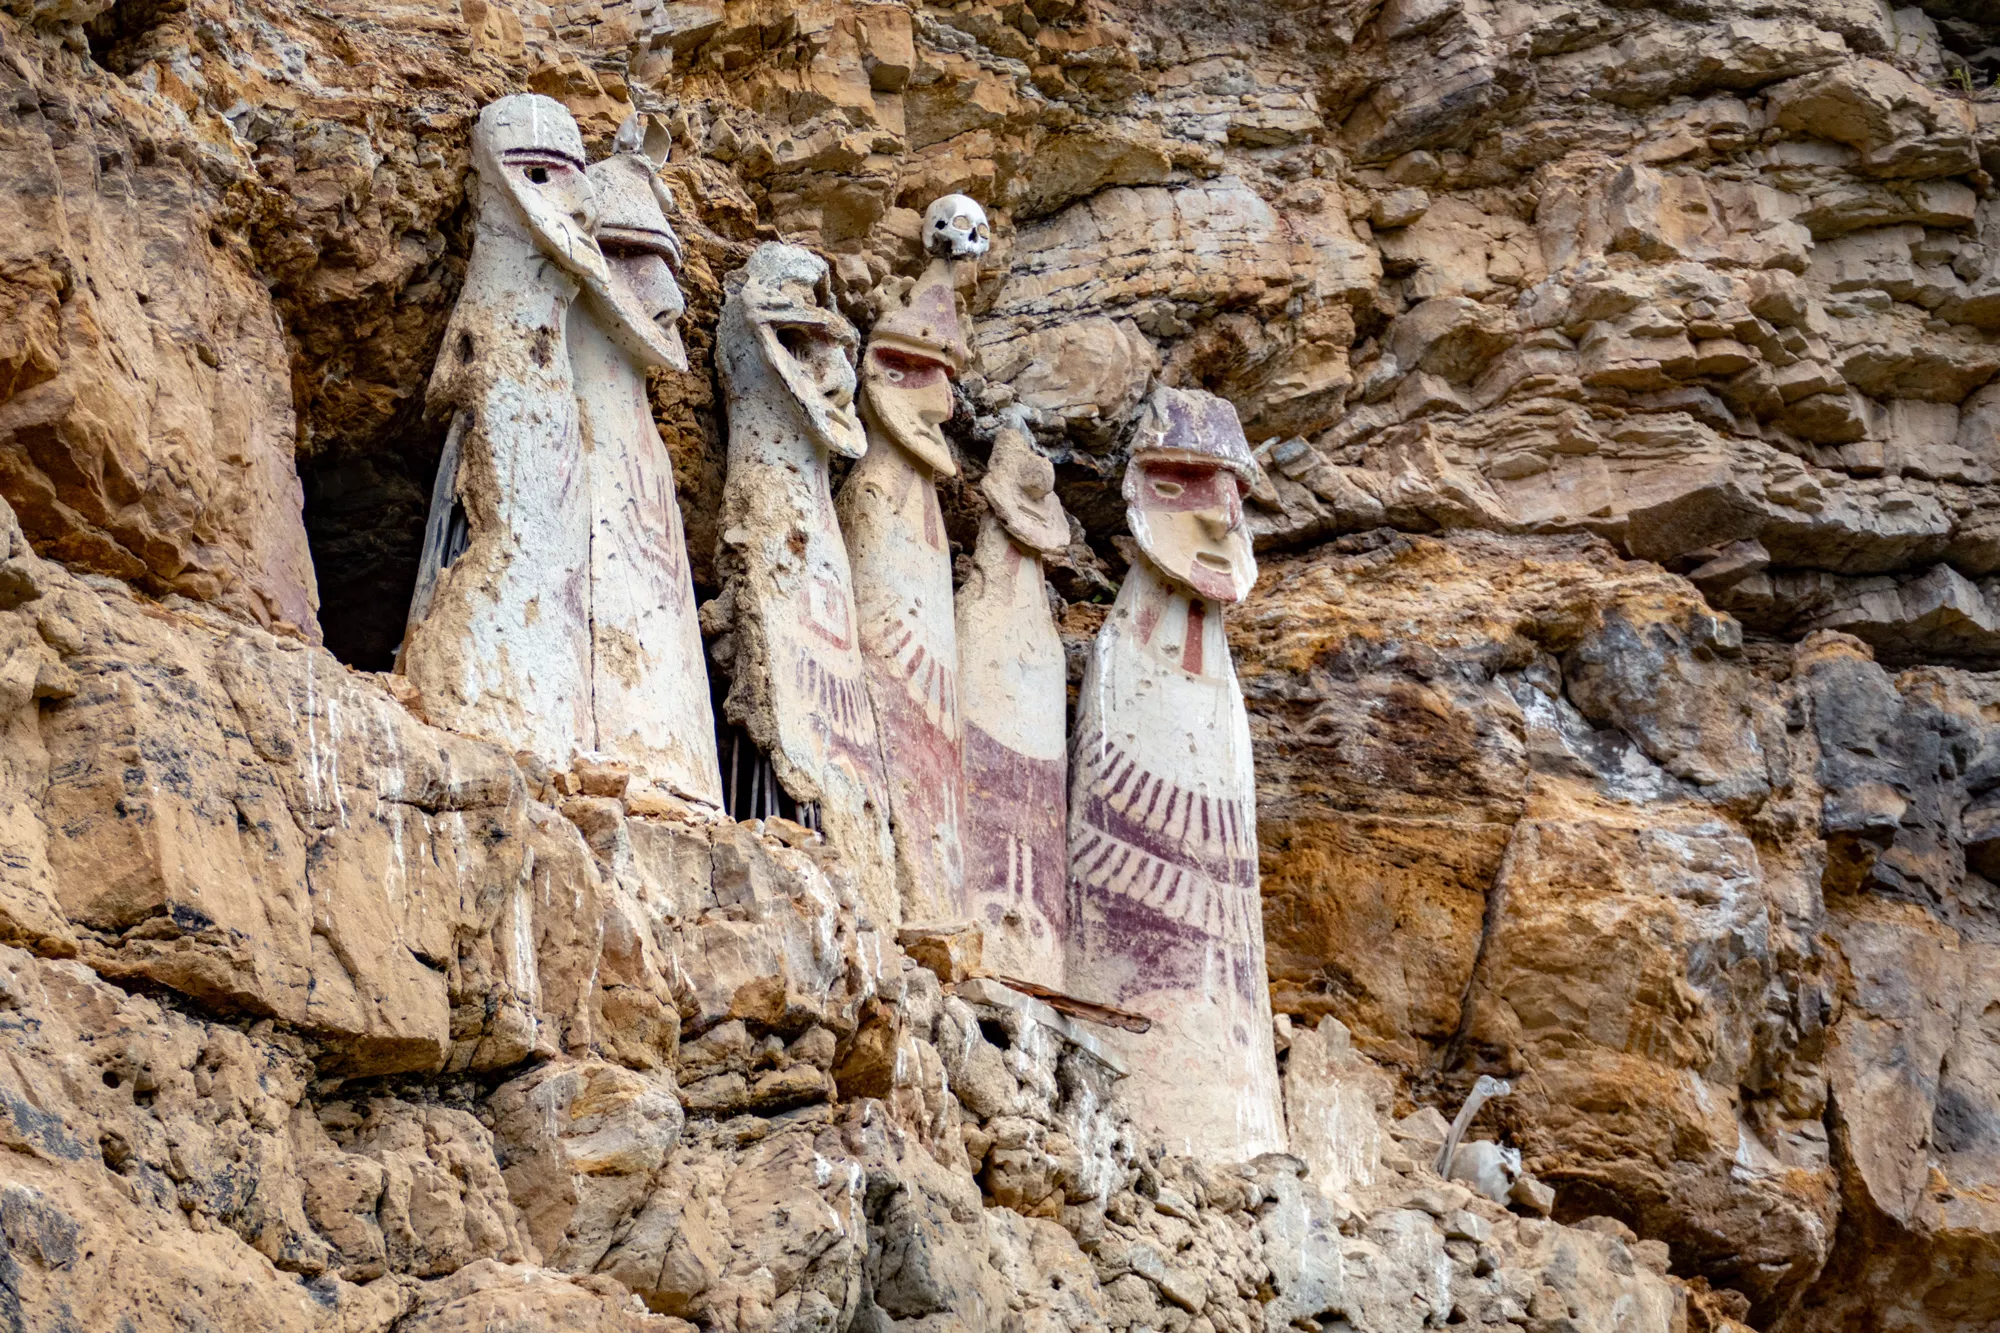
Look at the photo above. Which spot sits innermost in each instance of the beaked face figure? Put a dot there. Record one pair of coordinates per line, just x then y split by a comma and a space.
551, 183
797, 683
529, 147
641, 303
648, 276
649, 693
499, 637
811, 348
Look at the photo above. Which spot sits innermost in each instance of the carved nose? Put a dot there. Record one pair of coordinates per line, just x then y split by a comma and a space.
1216, 522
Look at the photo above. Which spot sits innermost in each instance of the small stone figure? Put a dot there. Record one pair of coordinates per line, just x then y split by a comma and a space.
1486, 1169
1013, 693
902, 563
786, 615
649, 696
1164, 912
499, 637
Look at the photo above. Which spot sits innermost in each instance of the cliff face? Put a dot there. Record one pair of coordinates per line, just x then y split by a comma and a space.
1626, 379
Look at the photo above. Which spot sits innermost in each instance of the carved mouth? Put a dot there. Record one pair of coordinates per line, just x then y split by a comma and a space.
1220, 563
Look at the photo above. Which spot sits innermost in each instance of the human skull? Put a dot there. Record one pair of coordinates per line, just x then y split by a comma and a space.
955, 227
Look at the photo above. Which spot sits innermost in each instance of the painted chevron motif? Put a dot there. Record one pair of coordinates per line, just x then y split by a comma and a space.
929, 681
1188, 857
841, 701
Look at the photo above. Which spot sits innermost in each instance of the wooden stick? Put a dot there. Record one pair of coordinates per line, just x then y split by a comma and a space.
1088, 1010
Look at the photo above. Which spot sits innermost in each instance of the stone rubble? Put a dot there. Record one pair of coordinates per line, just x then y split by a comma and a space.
745, 1109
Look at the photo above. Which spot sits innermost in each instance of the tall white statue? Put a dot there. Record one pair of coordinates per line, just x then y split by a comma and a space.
649, 698
1164, 911
797, 683
902, 563
499, 629
1013, 695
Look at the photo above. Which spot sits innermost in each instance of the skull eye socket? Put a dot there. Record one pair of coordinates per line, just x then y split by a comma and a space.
962, 222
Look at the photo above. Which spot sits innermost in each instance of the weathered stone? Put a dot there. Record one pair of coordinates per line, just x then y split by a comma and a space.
951, 953
408, 1189
579, 1142
534, 1300
798, 682
1162, 800
1013, 685
1335, 1103
902, 564
147, 421
1709, 286
499, 638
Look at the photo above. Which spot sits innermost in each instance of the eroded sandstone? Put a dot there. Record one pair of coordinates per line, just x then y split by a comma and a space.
1621, 379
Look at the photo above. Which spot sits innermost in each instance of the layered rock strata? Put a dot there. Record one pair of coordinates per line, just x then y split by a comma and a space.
534, 1046
1620, 378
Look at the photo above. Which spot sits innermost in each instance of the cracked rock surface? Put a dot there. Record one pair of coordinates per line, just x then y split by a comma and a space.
1626, 382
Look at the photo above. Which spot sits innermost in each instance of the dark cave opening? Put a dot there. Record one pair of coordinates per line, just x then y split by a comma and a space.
750, 786
118, 36
364, 516
1969, 33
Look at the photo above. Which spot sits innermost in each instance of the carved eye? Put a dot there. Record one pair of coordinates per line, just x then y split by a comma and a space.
893, 376
539, 175
1167, 490
807, 344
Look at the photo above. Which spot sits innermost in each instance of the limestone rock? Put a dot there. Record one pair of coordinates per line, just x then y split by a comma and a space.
531, 1299
147, 420
1646, 759
407, 1190
579, 1143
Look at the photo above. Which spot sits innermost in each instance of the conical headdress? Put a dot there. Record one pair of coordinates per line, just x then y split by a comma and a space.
1193, 425
926, 322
